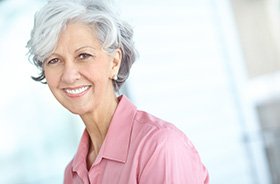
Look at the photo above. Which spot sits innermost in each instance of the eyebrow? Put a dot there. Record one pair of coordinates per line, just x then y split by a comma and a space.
77, 50
84, 47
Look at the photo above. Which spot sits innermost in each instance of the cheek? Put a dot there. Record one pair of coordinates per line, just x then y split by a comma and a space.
97, 72
51, 78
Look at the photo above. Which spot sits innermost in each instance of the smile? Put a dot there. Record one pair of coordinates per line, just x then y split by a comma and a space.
76, 91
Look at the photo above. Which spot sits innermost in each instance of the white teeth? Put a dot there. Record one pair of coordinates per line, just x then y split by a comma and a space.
77, 91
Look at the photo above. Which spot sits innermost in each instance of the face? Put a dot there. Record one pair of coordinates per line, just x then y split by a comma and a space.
79, 73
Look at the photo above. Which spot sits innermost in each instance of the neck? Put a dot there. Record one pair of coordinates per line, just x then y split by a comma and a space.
97, 124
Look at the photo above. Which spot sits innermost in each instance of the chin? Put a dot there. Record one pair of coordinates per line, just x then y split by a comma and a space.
77, 112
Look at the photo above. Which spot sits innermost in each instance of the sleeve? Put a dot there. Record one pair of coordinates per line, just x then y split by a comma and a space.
172, 159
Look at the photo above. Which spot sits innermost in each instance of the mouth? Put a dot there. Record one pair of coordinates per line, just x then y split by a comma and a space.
77, 91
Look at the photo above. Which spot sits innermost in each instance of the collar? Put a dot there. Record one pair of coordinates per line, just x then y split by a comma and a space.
117, 140
116, 144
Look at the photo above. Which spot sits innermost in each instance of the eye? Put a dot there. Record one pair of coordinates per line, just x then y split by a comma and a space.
84, 56
52, 61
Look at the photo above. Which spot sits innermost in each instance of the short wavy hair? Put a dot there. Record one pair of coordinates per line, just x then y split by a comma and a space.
112, 32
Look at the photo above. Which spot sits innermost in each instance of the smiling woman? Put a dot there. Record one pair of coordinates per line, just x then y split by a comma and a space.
84, 52
79, 72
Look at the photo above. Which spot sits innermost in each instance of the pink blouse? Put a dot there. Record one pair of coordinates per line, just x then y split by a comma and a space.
138, 149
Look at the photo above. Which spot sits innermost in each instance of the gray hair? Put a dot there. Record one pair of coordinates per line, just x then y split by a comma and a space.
112, 32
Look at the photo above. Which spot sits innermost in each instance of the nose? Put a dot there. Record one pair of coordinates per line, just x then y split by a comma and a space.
70, 73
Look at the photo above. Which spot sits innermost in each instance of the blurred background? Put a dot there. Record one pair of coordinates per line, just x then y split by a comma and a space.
211, 67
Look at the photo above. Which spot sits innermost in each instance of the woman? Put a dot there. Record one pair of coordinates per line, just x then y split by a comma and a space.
84, 52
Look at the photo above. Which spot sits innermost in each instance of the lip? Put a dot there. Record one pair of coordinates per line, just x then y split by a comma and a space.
76, 91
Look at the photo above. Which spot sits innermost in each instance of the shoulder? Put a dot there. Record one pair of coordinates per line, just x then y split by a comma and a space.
68, 174
149, 120
159, 132
167, 151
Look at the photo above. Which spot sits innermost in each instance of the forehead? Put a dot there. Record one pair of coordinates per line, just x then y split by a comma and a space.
77, 35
